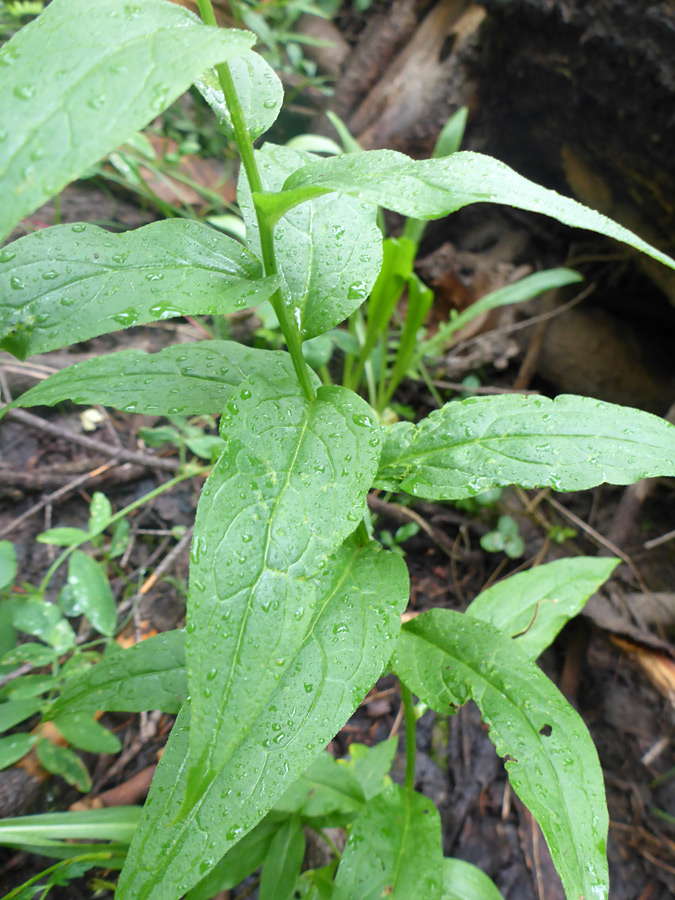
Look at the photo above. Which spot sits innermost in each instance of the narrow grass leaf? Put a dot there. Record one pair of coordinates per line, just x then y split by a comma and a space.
289, 488
112, 824
359, 599
329, 251
188, 379
570, 443
393, 850
82, 78
448, 658
70, 283
149, 675
283, 861
532, 607
463, 881
433, 188
259, 91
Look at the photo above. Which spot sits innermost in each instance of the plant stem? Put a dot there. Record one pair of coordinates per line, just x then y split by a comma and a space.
289, 327
410, 737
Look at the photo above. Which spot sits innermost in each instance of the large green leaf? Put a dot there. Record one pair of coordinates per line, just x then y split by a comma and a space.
448, 658
288, 489
82, 78
432, 188
259, 91
149, 675
569, 444
187, 378
463, 881
355, 618
72, 282
329, 251
394, 850
533, 606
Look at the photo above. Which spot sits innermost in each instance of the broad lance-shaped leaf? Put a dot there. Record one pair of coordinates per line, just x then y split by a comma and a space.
533, 606
329, 251
570, 443
72, 282
448, 658
432, 188
360, 597
288, 489
394, 850
259, 91
149, 675
84, 76
187, 378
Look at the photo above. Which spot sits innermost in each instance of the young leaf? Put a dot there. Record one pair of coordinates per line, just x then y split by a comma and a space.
27, 686
83, 77
149, 675
259, 90
29, 652
239, 862
569, 444
15, 746
194, 379
326, 787
43, 620
370, 765
7, 564
533, 606
463, 881
432, 188
100, 511
63, 762
84, 732
328, 252
12, 712
63, 537
289, 488
394, 849
448, 658
360, 597
89, 593
283, 861
72, 282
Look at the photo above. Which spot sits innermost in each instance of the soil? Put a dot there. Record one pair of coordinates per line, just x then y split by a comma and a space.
614, 663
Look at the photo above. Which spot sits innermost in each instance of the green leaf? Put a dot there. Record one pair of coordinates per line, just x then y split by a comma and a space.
89, 593
326, 787
259, 90
360, 597
35, 654
12, 712
463, 881
370, 765
15, 746
534, 606
329, 251
448, 658
432, 188
289, 488
7, 564
394, 850
193, 379
82, 78
149, 675
63, 537
27, 686
100, 511
239, 862
283, 861
85, 733
65, 763
113, 824
569, 444
72, 282
316, 884
43, 620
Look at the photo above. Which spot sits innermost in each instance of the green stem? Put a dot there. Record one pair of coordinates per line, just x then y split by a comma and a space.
289, 327
410, 738
62, 557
